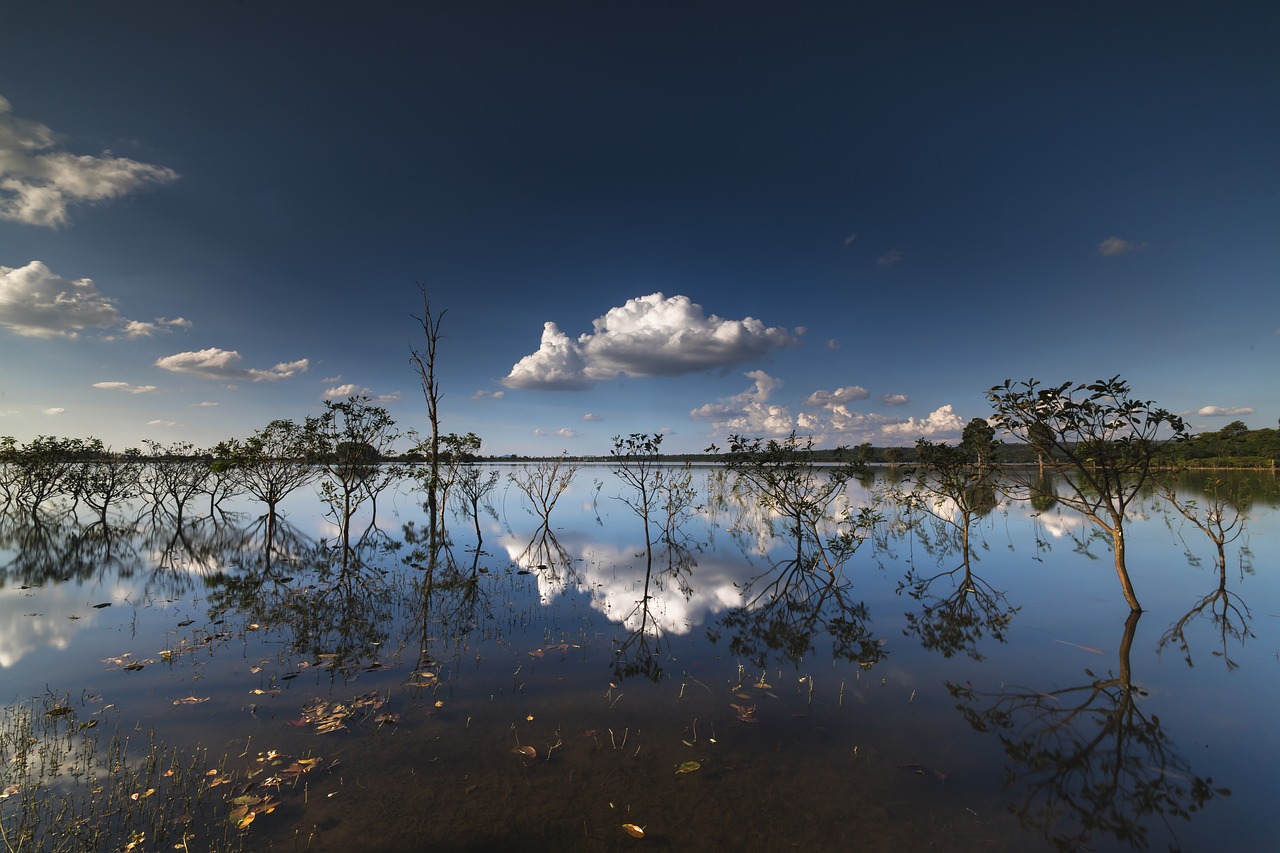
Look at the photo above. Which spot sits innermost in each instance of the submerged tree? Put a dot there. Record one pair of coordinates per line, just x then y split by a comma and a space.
355, 436
785, 479
543, 483
1102, 442
424, 362
658, 494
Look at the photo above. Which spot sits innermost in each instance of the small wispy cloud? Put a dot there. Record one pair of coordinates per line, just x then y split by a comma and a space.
214, 363
125, 387
54, 410
592, 416
895, 399
162, 423
889, 258
846, 394
142, 329
833, 344
849, 240
486, 394
1113, 246
204, 404
565, 432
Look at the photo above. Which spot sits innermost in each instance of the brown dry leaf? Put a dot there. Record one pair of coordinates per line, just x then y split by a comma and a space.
633, 830
526, 751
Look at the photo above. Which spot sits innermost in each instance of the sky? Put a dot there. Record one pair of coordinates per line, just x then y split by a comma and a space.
845, 219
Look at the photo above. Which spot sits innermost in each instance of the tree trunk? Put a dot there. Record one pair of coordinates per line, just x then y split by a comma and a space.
1122, 571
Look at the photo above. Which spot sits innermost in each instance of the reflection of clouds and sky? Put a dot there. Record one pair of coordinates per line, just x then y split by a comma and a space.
612, 576
50, 617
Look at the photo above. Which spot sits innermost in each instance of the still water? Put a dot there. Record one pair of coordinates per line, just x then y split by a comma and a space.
535, 693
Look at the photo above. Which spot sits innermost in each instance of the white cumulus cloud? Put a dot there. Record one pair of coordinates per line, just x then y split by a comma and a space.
39, 181
941, 422
35, 302
1223, 411
124, 386
342, 392
221, 364
750, 412
649, 336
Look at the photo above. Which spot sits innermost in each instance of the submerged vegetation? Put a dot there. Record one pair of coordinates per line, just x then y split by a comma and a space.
415, 610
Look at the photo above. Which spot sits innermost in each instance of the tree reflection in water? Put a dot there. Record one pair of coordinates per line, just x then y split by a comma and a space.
1088, 760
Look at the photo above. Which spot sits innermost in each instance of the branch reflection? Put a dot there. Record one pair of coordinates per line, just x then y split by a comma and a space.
1088, 760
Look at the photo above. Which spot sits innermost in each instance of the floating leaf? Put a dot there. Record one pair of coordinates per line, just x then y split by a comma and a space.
9, 792
633, 830
102, 605
527, 751
59, 711
688, 767
186, 622
529, 718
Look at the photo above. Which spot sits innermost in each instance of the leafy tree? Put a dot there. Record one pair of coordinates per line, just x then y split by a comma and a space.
354, 435
106, 478
893, 455
275, 461
1100, 439
1233, 429
43, 469
175, 474
785, 478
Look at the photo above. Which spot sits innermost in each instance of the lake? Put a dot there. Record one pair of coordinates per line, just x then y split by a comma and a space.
177, 684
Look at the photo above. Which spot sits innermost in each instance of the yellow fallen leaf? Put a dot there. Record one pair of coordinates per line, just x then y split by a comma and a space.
633, 830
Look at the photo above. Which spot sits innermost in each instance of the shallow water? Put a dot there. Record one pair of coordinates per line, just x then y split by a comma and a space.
1032, 712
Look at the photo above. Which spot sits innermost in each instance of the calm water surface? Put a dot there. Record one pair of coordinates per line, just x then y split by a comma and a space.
528, 694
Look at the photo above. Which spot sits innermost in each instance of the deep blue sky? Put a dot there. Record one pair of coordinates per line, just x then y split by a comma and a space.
857, 215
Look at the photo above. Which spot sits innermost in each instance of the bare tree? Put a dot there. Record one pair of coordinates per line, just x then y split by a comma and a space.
424, 361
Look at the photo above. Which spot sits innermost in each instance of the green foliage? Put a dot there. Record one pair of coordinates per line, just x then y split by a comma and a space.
784, 477
1101, 440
